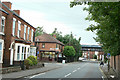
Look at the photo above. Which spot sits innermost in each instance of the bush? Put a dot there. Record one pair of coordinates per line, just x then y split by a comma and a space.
69, 51
33, 59
28, 63
95, 56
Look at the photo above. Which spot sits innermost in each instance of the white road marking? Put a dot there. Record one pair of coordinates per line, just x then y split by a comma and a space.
103, 77
67, 75
74, 71
112, 76
37, 75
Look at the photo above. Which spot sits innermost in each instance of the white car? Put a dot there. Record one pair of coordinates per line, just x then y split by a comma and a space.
81, 58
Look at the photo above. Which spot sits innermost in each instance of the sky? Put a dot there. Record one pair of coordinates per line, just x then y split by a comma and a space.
56, 14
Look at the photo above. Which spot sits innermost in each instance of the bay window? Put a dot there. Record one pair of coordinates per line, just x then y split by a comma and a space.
1, 50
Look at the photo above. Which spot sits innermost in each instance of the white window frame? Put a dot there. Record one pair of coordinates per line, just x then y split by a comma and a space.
3, 24
21, 45
32, 35
2, 41
28, 33
14, 23
25, 32
19, 28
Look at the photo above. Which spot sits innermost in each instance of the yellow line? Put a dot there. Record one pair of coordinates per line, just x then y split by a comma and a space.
102, 73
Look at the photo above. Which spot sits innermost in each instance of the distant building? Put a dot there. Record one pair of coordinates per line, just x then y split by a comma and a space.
16, 36
90, 50
48, 47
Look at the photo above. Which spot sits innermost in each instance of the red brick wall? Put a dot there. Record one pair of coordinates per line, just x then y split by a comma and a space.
8, 33
91, 54
48, 46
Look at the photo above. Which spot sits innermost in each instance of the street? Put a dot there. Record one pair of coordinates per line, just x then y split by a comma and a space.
76, 70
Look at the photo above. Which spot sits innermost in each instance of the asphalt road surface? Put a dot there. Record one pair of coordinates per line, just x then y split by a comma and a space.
76, 70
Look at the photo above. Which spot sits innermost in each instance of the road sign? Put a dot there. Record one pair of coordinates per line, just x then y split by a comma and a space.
38, 52
108, 55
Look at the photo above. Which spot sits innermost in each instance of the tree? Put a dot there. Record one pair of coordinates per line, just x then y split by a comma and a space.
69, 40
69, 52
107, 17
39, 31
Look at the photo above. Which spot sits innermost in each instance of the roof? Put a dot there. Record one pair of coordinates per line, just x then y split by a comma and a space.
47, 38
14, 14
97, 46
3, 10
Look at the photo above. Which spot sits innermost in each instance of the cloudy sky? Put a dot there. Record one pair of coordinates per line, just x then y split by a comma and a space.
56, 14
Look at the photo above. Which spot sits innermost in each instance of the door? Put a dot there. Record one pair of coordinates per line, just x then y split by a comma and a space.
11, 57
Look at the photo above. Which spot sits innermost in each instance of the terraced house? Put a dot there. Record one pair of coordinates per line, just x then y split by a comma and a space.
16, 36
48, 47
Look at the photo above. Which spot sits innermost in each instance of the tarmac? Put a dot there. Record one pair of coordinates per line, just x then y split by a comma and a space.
25, 73
108, 75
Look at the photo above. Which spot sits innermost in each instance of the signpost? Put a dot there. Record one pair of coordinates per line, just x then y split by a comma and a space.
108, 56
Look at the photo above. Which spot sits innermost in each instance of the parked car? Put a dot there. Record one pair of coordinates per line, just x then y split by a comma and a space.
81, 59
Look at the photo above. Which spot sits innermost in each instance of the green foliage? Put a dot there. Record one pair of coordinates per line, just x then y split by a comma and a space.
69, 40
28, 62
39, 31
33, 59
107, 17
95, 56
69, 51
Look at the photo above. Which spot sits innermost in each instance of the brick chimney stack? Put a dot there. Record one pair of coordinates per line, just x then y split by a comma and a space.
8, 4
17, 11
54, 35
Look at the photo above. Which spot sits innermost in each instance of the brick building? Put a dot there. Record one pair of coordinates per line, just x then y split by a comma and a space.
16, 35
48, 47
90, 50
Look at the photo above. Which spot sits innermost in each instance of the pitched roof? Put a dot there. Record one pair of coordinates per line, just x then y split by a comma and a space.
14, 13
47, 38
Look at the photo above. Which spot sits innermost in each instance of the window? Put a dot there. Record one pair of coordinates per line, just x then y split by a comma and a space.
43, 45
28, 33
18, 53
3, 24
56, 46
19, 28
28, 53
22, 55
0, 51
25, 31
25, 53
13, 32
32, 35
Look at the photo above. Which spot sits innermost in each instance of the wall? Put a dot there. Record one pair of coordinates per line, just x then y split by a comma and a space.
115, 60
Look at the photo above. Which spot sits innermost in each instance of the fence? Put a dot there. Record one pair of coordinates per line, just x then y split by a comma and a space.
115, 64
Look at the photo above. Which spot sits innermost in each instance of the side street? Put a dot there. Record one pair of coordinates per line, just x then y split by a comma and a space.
29, 52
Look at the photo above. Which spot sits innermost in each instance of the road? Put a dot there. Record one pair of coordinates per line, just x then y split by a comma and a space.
76, 70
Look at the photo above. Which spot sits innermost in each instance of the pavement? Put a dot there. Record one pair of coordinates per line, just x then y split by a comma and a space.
24, 73
108, 75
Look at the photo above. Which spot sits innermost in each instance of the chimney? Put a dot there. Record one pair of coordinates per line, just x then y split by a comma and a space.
17, 11
8, 4
54, 35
